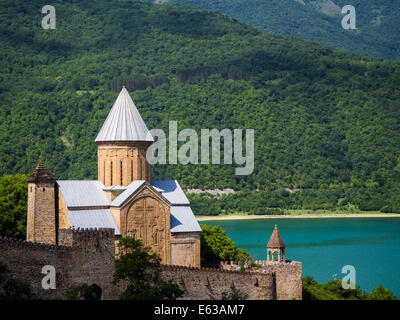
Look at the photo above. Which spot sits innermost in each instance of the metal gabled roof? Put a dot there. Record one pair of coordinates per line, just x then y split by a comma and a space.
124, 196
183, 220
83, 193
124, 122
172, 191
97, 218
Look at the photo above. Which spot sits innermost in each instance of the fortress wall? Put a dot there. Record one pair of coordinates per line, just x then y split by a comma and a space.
204, 283
25, 261
93, 252
288, 278
87, 256
83, 256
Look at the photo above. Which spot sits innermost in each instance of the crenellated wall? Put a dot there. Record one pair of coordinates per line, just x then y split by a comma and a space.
26, 260
83, 256
207, 283
88, 256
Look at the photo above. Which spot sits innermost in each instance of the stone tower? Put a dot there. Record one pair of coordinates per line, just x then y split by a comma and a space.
275, 244
122, 145
42, 217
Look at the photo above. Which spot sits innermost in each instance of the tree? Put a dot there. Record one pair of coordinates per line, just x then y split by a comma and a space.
216, 246
333, 290
140, 269
13, 199
381, 293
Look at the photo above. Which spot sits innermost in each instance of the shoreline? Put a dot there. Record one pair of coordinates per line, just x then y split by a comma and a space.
303, 216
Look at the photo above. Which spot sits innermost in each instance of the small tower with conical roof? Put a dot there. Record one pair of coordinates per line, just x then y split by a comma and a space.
122, 145
275, 245
42, 210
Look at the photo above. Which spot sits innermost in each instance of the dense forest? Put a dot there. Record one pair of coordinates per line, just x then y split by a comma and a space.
326, 122
377, 21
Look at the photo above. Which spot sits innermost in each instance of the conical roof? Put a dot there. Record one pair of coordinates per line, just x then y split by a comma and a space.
124, 122
275, 241
41, 174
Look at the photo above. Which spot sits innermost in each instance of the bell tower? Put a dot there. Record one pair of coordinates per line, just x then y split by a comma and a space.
122, 145
276, 246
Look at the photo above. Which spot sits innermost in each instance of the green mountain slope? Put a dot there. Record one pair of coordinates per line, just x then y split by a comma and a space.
325, 121
377, 21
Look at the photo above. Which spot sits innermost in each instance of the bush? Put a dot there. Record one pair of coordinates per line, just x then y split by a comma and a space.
333, 290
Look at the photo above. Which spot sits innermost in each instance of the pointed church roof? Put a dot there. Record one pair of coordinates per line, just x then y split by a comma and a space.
275, 241
41, 174
124, 122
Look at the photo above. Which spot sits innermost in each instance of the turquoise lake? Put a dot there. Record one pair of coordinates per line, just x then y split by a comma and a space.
325, 245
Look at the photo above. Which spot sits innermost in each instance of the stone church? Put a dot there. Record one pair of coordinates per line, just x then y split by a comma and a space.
124, 197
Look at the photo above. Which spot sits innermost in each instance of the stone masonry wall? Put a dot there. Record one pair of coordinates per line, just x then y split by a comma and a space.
132, 156
205, 283
41, 218
93, 257
26, 260
288, 278
185, 249
88, 256
83, 256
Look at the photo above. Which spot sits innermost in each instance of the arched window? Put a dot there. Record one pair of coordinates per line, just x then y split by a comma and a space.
120, 166
276, 255
131, 170
104, 172
155, 238
111, 174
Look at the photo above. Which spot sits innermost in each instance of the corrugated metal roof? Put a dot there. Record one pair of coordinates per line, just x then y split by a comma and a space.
124, 122
98, 218
83, 193
183, 219
130, 189
172, 191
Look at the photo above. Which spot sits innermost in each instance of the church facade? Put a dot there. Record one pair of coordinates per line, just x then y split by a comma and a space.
124, 197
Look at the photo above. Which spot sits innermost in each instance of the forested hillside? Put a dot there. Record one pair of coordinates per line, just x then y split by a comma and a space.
377, 21
325, 122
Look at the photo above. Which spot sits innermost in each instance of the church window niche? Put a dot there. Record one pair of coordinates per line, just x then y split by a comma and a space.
104, 172
111, 174
131, 170
155, 238
120, 166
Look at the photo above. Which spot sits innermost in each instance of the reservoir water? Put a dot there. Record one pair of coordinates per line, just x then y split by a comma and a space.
325, 245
